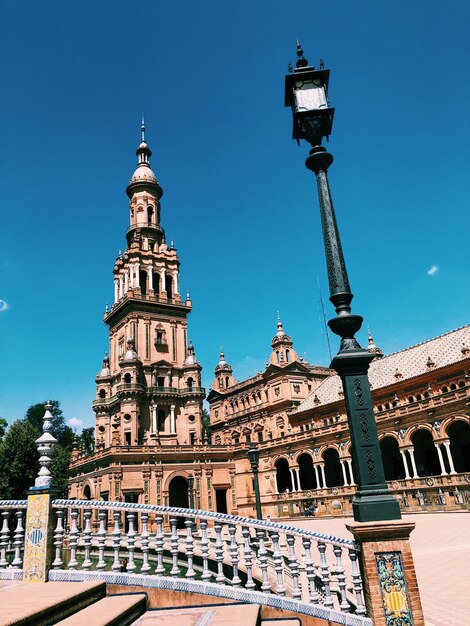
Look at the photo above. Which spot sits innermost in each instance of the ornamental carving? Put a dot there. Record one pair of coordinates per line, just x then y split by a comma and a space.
358, 391
364, 425
393, 589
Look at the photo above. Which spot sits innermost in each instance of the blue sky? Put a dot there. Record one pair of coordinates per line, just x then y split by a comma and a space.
239, 204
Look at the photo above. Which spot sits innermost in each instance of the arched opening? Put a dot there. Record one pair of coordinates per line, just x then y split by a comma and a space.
143, 282
392, 459
278, 356
102, 393
127, 378
161, 420
283, 476
459, 435
156, 283
169, 286
425, 453
190, 383
287, 356
87, 492
333, 472
150, 214
226, 381
178, 496
306, 472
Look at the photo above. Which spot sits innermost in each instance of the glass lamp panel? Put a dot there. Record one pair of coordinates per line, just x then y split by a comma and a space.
310, 95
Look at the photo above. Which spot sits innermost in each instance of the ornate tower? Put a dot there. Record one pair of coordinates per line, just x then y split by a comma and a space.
148, 391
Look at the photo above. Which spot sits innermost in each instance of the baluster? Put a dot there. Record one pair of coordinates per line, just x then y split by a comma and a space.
278, 564
206, 575
101, 538
248, 556
4, 539
159, 542
234, 556
131, 533
116, 535
73, 539
174, 544
18, 540
190, 573
294, 567
341, 576
357, 582
325, 575
144, 543
87, 536
219, 553
310, 570
58, 539
263, 561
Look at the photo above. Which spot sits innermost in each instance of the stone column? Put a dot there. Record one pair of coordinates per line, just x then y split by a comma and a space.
154, 418
322, 469
150, 275
120, 287
131, 276
116, 290
389, 577
172, 420
405, 463
345, 478
137, 275
441, 460
449, 456
413, 463
175, 282
317, 476
292, 477
297, 473
351, 472
126, 281
162, 277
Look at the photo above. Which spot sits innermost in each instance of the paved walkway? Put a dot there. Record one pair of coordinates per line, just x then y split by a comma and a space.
441, 552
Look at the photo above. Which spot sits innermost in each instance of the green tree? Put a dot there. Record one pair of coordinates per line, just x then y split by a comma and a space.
3, 427
60, 430
206, 423
18, 460
60, 469
86, 440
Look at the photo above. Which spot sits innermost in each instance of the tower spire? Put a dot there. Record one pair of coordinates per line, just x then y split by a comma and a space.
142, 128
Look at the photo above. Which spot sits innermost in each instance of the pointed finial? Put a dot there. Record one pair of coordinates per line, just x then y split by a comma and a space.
369, 335
172, 245
322, 64
188, 297
289, 68
302, 61
106, 308
142, 127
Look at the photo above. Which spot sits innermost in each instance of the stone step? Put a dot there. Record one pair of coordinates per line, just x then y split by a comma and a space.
282, 621
119, 610
44, 604
208, 615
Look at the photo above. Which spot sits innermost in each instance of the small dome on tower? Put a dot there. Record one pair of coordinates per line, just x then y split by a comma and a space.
104, 372
191, 356
144, 174
372, 348
280, 336
131, 354
222, 365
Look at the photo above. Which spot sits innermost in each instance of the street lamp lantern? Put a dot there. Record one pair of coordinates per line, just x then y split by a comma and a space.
253, 455
307, 95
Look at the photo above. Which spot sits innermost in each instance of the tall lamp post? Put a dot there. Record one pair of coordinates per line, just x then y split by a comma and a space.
307, 95
253, 455
191, 491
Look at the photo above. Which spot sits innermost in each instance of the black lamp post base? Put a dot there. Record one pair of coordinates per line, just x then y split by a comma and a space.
370, 508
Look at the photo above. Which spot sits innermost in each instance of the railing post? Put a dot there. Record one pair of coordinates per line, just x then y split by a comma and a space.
39, 532
389, 577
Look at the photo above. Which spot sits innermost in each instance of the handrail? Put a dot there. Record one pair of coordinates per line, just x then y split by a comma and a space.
205, 515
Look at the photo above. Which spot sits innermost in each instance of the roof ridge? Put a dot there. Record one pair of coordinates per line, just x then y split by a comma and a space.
386, 356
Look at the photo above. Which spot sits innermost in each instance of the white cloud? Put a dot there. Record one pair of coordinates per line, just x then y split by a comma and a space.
4, 306
432, 270
74, 421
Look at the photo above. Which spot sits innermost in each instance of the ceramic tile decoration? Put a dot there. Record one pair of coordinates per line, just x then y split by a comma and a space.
393, 589
36, 536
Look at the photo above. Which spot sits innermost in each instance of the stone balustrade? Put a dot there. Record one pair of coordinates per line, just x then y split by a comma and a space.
225, 555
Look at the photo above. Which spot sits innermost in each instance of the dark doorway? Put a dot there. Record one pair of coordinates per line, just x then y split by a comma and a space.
221, 500
459, 435
427, 461
333, 472
178, 496
392, 459
283, 476
306, 472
